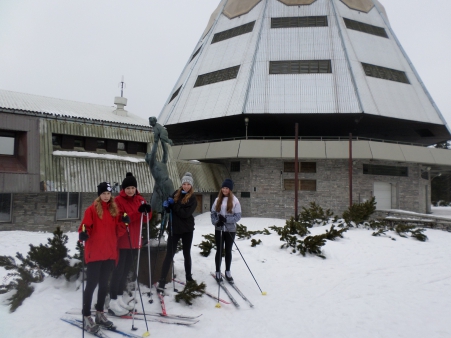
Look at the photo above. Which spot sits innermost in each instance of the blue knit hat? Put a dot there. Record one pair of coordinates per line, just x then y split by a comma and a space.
228, 183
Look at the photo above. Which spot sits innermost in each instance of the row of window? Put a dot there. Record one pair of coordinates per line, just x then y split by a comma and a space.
92, 144
68, 206
310, 167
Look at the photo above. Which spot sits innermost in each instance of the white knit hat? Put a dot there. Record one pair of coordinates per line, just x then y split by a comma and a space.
188, 178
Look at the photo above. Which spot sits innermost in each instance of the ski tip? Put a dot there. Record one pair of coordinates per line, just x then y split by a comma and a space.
263, 293
218, 305
146, 334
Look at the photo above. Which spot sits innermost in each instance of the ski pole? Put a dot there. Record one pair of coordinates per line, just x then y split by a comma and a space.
263, 292
173, 251
83, 284
148, 256
220, 260
145, 334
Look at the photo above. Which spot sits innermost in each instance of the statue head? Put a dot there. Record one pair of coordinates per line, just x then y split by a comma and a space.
152, 121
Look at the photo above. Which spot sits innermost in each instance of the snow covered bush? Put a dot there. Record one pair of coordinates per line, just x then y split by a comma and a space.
359, 212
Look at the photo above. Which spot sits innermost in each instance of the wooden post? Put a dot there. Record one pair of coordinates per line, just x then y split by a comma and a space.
296, 170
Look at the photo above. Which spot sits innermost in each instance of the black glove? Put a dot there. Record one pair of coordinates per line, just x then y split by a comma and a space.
126, 219
219, 224
222, 219
83, 236
144, 208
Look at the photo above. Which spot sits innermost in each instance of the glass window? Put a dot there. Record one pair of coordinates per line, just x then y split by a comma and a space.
121, 146
7, 145
235, 166
5, 207
68, 205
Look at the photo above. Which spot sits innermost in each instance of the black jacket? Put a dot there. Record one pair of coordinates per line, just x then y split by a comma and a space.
182, 215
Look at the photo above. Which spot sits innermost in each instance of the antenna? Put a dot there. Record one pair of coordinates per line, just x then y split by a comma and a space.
122, 85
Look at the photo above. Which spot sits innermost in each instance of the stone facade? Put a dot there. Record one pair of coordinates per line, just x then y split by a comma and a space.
264, 180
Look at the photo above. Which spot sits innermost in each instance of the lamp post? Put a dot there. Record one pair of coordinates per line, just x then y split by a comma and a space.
246, 123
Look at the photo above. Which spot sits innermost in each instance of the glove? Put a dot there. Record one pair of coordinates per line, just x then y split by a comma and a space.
166, 205
219, 224
83, 236
170, 201
144, 208
126, 219
222, 219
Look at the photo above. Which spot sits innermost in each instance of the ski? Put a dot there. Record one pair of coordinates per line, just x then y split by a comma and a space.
239, 291
226, 291
161, 318
115, 329
161, 298
207, 293
79, 324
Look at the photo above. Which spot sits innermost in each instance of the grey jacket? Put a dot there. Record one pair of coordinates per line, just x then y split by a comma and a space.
231, 218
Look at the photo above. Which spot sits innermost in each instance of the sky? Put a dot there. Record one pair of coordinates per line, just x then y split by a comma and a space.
79, 50
366, 287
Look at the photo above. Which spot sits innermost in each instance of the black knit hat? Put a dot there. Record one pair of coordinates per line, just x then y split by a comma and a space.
129, 181
102, 187
228, 183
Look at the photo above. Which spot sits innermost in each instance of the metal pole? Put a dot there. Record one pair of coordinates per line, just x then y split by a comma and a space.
296, 170
350, 169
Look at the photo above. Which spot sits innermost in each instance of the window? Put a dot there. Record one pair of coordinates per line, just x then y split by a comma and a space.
304, 185
235, 166
300, 67
217, 76
303, 167
245, 194
386, 170
365, 28
195, 54
68, 205
299, 21
13, 151
231, 33
56, 140
175, 94
79, 142
5, 207
385, 73
7, 143
121, 146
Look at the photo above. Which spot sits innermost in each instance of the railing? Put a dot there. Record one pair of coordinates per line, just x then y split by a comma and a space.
301, 138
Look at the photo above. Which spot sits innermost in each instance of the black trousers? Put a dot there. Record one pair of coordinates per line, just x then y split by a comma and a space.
120, 272
226, 245
187, 240
97, 273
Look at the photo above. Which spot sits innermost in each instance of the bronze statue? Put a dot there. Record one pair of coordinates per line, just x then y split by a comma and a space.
163, 184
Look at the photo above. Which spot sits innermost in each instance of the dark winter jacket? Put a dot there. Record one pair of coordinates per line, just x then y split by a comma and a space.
103, 234
130, 205
182, 215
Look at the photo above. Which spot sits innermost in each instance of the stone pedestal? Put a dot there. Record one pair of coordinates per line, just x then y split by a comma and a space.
157, 255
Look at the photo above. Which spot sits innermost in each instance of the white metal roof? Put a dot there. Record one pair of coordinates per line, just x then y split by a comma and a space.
346, 90
65, 108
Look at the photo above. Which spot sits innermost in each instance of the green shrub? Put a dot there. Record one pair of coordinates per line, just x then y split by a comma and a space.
359, 212
314, 214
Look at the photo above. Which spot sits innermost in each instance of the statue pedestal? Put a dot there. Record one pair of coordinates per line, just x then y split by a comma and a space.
157, 255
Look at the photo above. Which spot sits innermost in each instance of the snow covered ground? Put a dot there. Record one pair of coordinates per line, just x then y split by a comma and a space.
367, 287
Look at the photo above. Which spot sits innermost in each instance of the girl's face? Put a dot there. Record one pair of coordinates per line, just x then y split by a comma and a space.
186, 186
225, 191
105, 196
130, 191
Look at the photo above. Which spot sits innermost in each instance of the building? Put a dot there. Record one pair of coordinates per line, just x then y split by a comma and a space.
336, 68
54, 153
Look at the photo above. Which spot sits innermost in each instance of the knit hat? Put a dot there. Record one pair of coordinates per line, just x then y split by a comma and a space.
188, 178
129, 181
228, 183
102, 187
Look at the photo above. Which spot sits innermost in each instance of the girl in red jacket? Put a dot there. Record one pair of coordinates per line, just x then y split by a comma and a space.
100, 229
133, 204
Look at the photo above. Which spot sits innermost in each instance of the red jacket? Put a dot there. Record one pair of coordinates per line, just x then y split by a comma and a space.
130, 205
103, 234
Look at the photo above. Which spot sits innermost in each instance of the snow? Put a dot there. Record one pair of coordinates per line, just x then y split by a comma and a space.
366, 287
95, 155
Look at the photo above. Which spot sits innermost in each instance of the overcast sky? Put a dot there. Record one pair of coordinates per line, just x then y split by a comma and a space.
79, 49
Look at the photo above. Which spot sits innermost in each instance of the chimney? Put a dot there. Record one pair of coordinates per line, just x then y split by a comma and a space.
120, 103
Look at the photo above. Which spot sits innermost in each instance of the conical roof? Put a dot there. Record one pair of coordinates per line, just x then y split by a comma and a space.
334, 66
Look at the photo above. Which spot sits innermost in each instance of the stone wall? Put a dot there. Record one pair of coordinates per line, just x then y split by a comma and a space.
37, 212
263, 178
